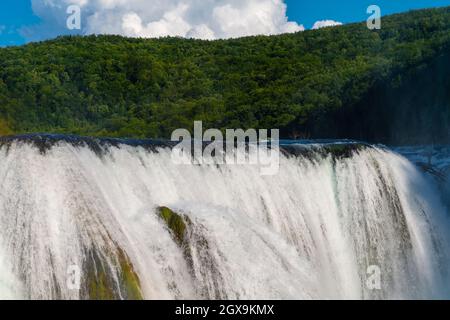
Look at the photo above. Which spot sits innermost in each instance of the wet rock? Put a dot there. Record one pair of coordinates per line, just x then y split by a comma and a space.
174, 222
103, 281
313, 151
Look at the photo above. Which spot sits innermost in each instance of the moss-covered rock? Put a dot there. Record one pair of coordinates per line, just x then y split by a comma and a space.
98, 282
102, 281
174, 222
130, 282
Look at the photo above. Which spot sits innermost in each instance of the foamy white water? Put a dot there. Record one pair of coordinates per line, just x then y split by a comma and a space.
309, 232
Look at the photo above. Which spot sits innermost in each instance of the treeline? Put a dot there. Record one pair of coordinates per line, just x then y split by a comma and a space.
335, 82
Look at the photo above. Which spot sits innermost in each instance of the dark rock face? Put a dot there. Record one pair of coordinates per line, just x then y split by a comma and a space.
100, 146
45, 142
336, 150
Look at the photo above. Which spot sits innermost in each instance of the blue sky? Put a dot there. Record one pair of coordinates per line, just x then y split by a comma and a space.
13, 15
346, 11
19, 23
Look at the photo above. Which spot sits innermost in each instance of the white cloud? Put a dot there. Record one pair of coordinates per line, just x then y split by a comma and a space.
204, 19
325, 23
2, 28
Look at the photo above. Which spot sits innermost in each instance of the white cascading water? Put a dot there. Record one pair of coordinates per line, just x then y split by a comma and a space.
311, 231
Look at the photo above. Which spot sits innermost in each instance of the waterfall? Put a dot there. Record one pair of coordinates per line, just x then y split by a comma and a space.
136, 225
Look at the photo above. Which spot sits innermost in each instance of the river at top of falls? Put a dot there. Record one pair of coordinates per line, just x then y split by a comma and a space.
315, 230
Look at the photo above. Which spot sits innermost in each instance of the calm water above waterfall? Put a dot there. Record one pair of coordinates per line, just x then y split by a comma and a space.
136, 225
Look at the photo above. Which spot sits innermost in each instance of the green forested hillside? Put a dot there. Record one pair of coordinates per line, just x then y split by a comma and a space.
391, 85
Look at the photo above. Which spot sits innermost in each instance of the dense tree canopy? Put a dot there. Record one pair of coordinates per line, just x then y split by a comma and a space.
321, 83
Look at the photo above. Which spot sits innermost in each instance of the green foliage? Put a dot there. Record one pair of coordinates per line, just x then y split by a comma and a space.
146, 88
4, 128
